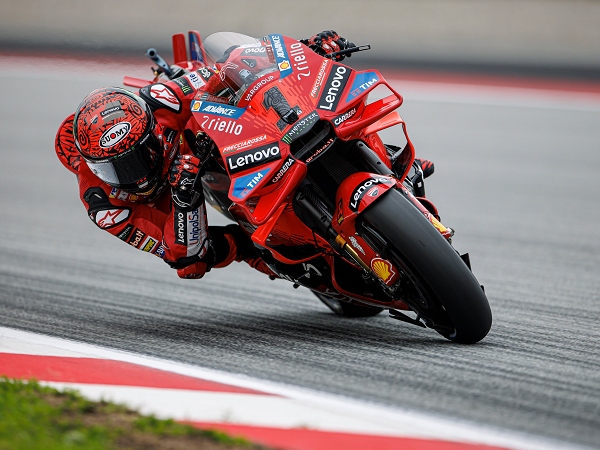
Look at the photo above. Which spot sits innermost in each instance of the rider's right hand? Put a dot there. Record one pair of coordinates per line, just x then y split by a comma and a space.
181, 178
327, 42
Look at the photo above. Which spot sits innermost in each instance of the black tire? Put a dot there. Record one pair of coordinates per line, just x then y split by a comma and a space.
345, 309
450, 296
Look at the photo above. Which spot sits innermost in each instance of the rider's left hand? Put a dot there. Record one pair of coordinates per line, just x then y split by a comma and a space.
181, 178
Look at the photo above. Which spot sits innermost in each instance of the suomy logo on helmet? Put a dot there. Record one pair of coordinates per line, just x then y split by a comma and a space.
115, 134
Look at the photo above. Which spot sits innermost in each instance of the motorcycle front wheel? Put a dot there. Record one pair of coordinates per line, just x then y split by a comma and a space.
441, 288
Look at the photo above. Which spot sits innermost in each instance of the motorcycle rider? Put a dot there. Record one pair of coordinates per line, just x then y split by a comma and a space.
125, 149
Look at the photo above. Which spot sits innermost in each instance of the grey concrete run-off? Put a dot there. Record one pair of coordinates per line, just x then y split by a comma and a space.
553, 33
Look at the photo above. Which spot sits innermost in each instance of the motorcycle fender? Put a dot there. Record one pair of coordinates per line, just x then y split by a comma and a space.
357, 192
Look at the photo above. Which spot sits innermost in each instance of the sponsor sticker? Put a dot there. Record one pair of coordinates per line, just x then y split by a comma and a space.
345, 116
299, 60
115, 134
250, 62
195, 50
124, 235
256, 86
109, 218
362, 82
289, 162
255, 51
180, 226
165, 96
122, 195
332, 91
196, 80
217, 109
316, 87
301, 127
356, 245
281, 55
373, 192
136, 238
223, 125
320, 150
383, 269
195, 231
367, 186
112, 111
243, 185
245, 143
249, 159
148, 244
184, 84
159, 251
205, 73
339, 214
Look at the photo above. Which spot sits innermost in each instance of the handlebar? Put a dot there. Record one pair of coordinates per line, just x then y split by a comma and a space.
360, 48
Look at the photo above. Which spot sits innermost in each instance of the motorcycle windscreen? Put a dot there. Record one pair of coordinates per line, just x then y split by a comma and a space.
241, 61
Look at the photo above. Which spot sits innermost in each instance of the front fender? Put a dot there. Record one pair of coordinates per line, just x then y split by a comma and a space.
357, 192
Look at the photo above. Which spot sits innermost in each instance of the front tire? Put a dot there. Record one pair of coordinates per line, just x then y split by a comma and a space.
449, 297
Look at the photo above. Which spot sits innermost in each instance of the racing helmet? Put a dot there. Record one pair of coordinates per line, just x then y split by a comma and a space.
116, 134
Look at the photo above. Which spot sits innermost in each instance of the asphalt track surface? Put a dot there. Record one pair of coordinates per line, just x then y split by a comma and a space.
518, 183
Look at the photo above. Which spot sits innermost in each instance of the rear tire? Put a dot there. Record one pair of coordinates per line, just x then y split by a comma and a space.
450, 299
345, 309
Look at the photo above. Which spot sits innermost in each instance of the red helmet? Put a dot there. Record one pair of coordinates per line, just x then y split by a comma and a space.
115, 132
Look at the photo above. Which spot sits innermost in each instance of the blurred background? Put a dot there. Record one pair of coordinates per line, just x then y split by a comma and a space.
557, 38
503, 96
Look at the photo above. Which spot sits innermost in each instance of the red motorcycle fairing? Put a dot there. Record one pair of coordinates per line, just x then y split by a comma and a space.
255, 140
313, 87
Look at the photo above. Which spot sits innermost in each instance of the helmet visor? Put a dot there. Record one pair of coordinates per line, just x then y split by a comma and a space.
135, 171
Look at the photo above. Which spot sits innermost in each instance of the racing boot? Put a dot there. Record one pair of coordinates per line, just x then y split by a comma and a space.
420, 169
240, 248
426, 166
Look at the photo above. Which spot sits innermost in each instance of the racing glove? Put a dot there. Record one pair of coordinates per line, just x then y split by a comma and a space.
181, 178
185, 168
327, 42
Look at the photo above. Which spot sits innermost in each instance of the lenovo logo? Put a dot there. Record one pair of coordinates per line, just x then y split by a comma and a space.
336, 82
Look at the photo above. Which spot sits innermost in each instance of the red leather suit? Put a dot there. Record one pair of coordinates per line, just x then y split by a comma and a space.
148, 222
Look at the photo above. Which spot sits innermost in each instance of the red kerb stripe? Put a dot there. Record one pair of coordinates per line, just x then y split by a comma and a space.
303, 439
104, 371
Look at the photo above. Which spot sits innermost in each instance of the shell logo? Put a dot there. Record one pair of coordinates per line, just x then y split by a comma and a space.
283, 65
383, 269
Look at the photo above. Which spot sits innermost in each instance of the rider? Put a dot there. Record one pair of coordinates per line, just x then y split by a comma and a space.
126, 148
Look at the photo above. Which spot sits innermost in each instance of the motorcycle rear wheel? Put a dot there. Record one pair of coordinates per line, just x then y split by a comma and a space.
448, 296
345, 309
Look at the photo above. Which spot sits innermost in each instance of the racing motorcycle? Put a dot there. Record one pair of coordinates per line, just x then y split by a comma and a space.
327, 205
